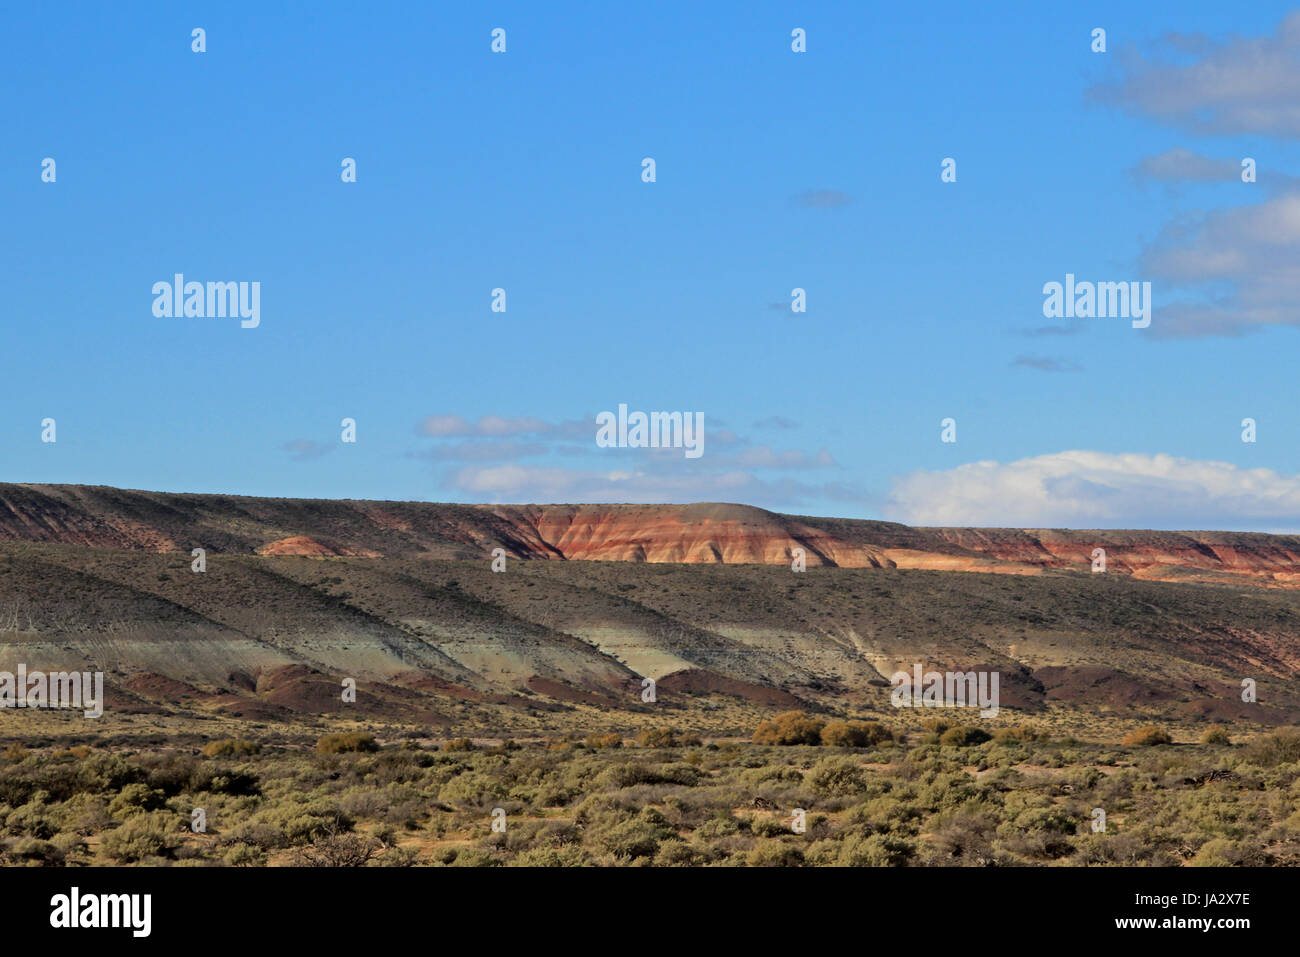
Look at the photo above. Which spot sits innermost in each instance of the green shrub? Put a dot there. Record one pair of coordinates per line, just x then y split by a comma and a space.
152, 834
633, 839
32, 819
631, 773
345, 741
472, 790
885, 815
855, 734
790, 727
244, 855
136, 799
675, 853
773, 774
1274, 749
1010, 736
837, 777
667, 738
1051, 820
32, 850
775, 854
1147, 737
938, 725
231, 748
959, 736
1215, 736
475, 857
877, 850
566, 856
1224, 853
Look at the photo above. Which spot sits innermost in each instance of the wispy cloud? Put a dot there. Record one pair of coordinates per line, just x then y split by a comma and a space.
1046, 364
1238, 269
519, 483
519, 458
1038, 332
495, 426
766, 457
823, 199
1182, 165
304, 450
487, 450
1234, 270
1240, 85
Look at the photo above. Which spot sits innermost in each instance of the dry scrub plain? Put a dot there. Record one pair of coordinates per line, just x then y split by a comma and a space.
350, 683
942, 795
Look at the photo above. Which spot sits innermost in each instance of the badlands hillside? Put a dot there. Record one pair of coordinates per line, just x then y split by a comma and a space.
298, 595
711, 533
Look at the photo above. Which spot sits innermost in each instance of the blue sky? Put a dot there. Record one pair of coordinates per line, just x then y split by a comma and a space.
775, 170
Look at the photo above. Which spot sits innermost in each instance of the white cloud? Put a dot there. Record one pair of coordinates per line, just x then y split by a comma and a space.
1081, 489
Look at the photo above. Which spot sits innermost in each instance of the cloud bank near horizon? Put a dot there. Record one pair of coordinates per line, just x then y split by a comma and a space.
1085, 489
